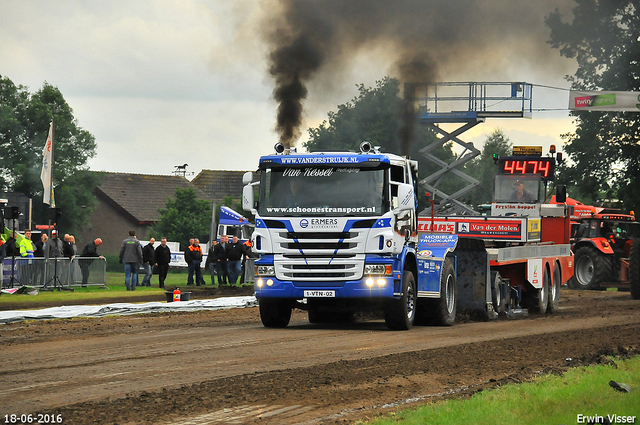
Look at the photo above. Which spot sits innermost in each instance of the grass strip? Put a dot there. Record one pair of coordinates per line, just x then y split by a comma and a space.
581, 395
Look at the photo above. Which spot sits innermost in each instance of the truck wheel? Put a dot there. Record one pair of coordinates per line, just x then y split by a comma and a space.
591, 268
634, 269
400, 314
445, 313
554, 290
538, 298
499, 302
275, 313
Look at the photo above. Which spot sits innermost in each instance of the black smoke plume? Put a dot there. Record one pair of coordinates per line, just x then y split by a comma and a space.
418, 41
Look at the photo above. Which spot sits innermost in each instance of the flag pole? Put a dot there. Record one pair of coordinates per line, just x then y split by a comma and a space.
53, 130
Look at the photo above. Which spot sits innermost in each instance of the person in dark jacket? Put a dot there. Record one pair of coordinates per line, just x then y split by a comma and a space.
148, 260
53, 247
39, 253
193, 258
235, 253
12, 249
87, 256
39, 246
131, 257
163, 258
221, 258
67, 247
212, 262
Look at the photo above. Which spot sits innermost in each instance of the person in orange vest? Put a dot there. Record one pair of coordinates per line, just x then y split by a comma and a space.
247, 254
193, 258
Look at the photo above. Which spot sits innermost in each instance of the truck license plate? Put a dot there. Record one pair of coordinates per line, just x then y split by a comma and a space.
319, 294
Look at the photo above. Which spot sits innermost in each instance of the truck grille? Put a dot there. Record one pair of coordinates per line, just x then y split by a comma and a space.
319, 257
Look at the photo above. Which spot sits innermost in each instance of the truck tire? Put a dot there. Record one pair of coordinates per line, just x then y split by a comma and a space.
445, 312
634, 269
499, 302
538, 298
591, 268
275, 313
554, 290
399, 314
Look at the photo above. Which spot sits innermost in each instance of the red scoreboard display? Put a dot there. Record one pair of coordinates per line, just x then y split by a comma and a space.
545, 167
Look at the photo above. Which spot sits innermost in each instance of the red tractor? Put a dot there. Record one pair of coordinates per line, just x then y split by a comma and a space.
606, 245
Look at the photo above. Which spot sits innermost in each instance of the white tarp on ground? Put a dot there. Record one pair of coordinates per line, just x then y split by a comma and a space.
119, 309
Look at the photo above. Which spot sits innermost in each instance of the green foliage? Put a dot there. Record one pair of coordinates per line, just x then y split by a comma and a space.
604, 151
375, 116
77, 196
484, 169
183, 218
24, 126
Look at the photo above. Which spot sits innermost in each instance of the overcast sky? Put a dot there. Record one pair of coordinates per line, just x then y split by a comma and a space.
161, 83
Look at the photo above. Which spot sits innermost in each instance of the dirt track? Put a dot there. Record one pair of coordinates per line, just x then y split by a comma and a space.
224, 367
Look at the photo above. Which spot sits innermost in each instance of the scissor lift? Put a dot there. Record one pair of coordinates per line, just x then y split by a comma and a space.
483, 100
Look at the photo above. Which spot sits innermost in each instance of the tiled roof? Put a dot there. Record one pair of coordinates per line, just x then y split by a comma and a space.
218, 184
141, 195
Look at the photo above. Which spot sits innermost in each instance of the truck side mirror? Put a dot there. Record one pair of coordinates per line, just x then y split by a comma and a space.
247, 197
406, 197
247, 177
561, 193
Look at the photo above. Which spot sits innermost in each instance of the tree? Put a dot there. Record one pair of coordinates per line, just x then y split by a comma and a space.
484, 169
374, 115
184, 217
24, 126
604, 151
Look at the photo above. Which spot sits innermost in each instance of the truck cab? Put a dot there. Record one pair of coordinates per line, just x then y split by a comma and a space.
335, 232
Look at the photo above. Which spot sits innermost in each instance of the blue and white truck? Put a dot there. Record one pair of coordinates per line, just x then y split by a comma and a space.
338, 233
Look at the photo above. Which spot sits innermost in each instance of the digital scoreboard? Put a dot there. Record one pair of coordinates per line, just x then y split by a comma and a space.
545, 167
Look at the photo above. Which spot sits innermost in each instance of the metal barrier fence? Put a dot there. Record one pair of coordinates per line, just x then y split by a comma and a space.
249, 272
53, 272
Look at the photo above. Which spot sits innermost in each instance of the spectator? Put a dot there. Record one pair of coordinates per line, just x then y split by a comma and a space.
39, 253
87, 255
53, 248
193, 257
67, 247
248, 253
72, 240
12, 249
148, 260
221, 258
27, 271
39, 246
163, 258
131, 256
235, 252
26, 246
212, 263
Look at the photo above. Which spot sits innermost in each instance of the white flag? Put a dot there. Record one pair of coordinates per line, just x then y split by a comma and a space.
47, 170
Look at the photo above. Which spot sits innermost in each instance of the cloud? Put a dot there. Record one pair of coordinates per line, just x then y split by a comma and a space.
157, 79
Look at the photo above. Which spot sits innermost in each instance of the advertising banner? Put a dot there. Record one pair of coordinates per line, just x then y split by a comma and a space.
604, 101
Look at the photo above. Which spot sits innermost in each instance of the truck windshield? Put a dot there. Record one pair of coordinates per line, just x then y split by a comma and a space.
521, 189
314, 191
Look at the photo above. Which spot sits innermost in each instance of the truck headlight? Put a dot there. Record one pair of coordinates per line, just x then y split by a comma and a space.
378, 269
265, 271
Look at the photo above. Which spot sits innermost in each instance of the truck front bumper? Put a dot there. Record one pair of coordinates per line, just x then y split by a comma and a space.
367, 287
